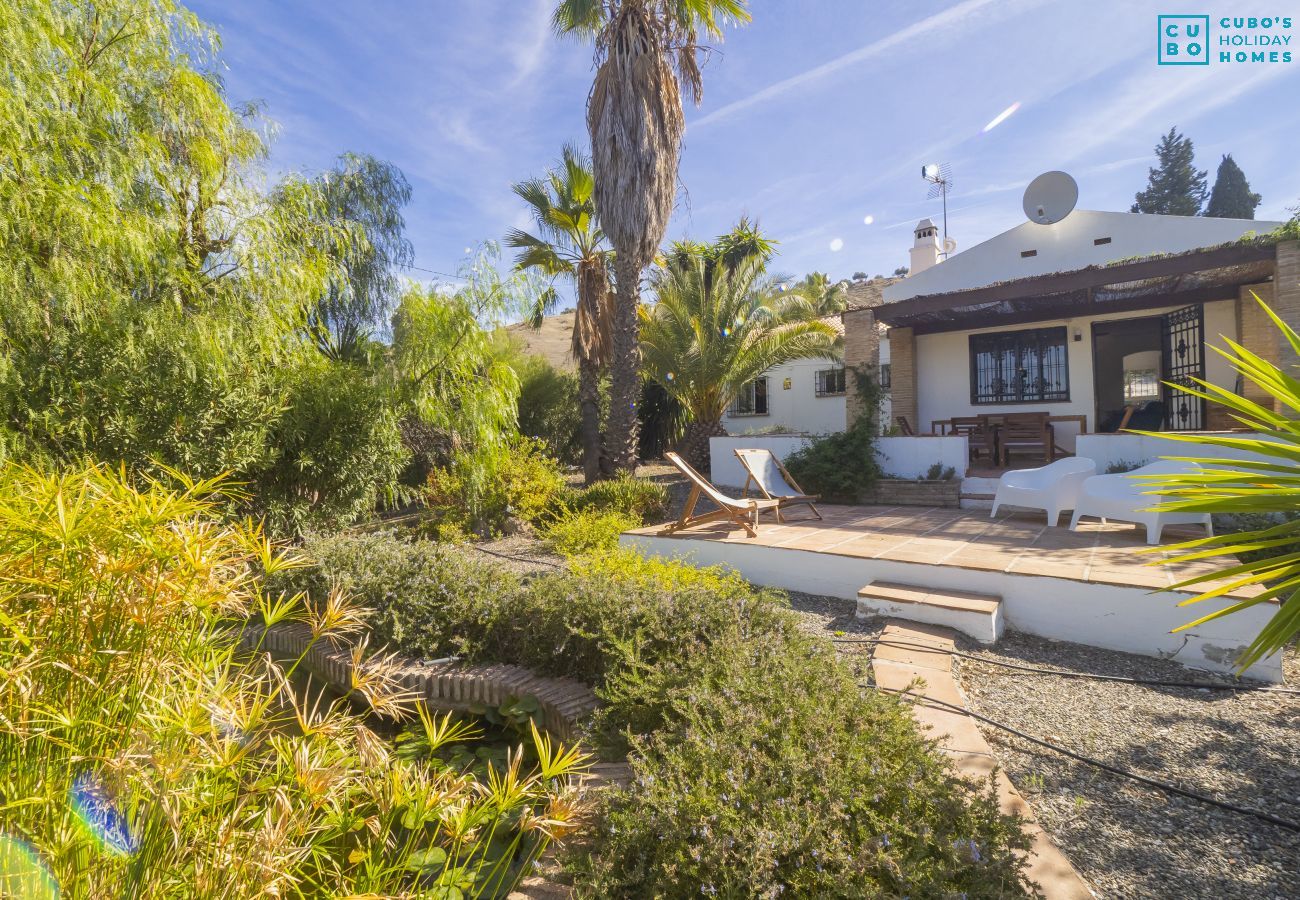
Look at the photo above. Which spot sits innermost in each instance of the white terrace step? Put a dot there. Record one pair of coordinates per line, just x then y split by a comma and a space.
978, 615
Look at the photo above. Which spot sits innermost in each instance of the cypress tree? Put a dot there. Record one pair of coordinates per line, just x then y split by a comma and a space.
1174, 187
1231, 197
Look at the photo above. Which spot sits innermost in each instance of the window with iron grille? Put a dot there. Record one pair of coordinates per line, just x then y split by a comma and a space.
830, 382
752, 399
1019, 367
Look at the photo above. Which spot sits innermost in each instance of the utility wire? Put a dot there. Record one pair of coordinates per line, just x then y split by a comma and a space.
1106, 767
1066, 673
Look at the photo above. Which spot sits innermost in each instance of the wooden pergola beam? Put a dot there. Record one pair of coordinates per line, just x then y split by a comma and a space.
1043, 286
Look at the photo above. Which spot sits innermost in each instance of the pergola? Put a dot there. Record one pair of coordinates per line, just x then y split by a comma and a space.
1198, 276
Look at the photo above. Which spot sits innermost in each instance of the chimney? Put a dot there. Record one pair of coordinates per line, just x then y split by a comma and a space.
925, 249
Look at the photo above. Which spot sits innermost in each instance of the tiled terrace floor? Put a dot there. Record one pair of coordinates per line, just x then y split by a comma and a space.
1015, 543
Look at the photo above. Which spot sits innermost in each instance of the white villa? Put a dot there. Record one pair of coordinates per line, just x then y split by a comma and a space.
1046, 341
807, 396
1081, 319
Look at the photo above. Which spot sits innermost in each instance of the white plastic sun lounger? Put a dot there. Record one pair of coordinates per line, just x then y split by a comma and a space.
741, 512
773, 481
1124, 497
1054, 487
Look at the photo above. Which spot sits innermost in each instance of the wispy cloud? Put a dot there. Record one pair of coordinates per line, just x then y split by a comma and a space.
935, 29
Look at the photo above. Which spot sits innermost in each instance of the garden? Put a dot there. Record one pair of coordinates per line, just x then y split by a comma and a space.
224, 410
228, 409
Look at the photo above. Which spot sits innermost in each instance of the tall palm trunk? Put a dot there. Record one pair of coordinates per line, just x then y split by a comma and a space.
695, 442
589, 408
625, 366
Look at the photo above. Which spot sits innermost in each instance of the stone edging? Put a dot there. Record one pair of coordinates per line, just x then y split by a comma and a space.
441, 684
926, 654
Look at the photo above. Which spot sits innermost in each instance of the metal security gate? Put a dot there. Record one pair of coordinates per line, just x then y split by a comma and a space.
1182, 344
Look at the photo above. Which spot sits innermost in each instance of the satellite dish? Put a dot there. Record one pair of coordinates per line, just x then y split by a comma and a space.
1050, 198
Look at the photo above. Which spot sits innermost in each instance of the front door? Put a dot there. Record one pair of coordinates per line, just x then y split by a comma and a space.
1182, 347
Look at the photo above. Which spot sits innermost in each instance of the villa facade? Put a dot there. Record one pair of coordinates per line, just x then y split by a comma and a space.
1083, 319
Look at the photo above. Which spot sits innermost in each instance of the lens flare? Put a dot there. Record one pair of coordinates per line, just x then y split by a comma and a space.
23, 873
867, 220
837, 245
1001, 117
94, 807
670, 376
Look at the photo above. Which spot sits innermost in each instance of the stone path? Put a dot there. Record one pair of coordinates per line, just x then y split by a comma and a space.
896, 668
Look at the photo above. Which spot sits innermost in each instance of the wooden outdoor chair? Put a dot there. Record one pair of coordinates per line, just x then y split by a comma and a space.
1026, 431
765, 472
739, 512
980, 435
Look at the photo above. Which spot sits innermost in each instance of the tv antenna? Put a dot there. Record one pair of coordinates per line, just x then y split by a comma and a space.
940, 177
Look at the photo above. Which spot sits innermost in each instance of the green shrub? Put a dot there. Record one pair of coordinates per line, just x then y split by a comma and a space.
424, 597
608, 613
772, 774
587, 531
841, 466
761, 767
519, 480
334, 452
548, 408
647, 500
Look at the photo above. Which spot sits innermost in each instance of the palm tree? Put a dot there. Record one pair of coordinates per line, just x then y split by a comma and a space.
711, 333
645, 53
570, 244
827, 297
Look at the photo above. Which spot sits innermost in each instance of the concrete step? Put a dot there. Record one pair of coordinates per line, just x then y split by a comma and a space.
977, 615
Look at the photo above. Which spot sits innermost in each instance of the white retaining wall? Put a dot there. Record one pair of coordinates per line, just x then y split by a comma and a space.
1130, 619
1138, 449
902, 457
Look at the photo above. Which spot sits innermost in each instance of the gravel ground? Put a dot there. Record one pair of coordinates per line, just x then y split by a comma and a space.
1126, 839
519, 553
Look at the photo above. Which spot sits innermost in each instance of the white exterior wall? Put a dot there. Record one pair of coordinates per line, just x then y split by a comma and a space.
900, 457
943, 368
797, 409
1137, 449
1068, 245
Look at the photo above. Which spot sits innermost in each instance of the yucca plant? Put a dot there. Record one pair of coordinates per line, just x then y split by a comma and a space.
1243, 483
143, 754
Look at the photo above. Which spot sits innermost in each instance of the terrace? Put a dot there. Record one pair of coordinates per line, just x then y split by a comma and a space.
1097, 586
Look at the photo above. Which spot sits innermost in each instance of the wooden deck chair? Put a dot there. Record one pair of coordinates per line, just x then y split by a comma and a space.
741, 512
773, 481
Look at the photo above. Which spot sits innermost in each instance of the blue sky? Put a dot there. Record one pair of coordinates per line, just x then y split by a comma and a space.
816, 115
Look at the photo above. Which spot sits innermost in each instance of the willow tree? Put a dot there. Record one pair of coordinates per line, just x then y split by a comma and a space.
364, 197
646, 53
569, 244
715, 329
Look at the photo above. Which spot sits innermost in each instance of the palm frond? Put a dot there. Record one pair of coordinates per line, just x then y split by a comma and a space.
1261, 477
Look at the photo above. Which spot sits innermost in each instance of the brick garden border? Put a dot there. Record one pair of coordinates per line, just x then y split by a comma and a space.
442, 684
